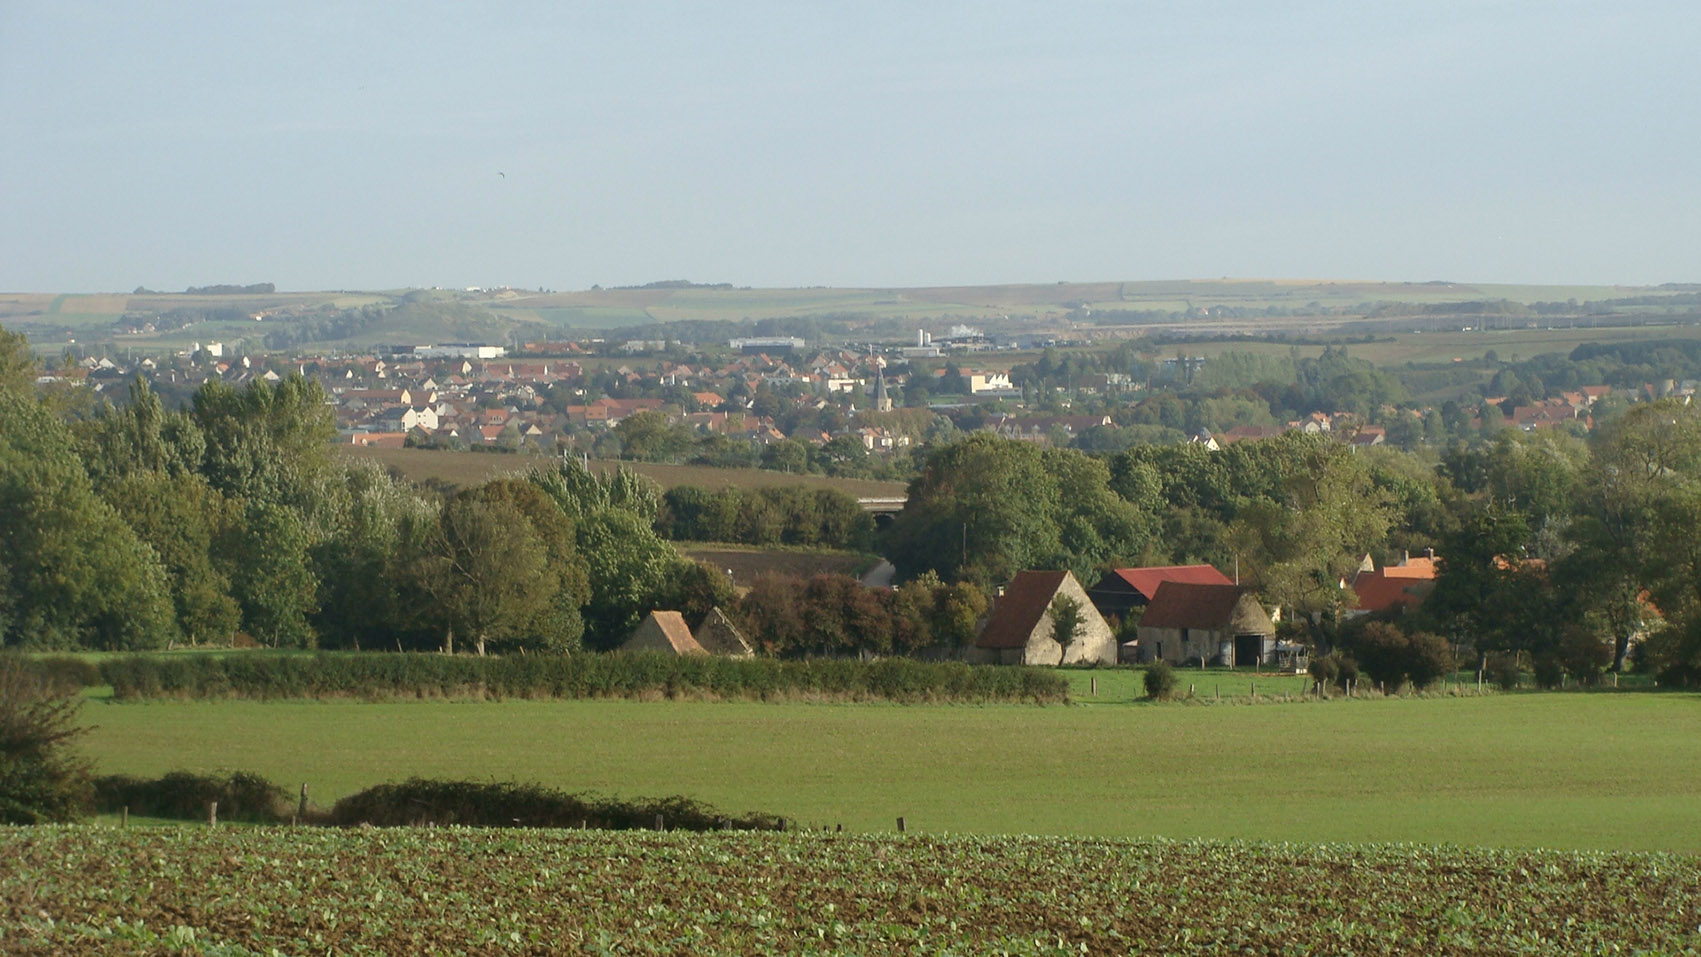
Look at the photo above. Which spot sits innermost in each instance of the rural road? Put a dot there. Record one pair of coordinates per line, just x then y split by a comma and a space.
880, 576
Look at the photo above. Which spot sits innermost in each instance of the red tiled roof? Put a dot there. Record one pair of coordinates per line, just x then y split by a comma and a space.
1192, 605
671, 627
1395, 586
1146, 580
1017, 612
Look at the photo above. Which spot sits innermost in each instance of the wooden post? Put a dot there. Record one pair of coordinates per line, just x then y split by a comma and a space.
301, 808
900, 825
212, 814
659, 823
1217, 692
1254, 691
1615, 679
124, 817
1095, 682
1190, 691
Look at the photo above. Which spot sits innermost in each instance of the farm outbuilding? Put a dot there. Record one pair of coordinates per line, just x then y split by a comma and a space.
1019, 631
719, 636
1122, 590
663, 631
1194, 622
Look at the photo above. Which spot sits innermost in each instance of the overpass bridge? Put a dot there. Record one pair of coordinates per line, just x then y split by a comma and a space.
884, 508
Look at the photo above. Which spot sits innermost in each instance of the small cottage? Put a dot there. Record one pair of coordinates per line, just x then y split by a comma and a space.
1205, 622
719, 636
1019, 630
663, 631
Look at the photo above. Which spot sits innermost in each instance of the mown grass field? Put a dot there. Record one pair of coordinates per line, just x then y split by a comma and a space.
412, 891
1599, 770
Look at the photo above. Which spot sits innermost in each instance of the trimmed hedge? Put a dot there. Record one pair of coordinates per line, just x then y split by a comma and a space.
62, 673
182, 795
390, 676
473, 804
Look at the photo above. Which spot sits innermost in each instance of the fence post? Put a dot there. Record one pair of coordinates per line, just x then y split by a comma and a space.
659, 826
212, 813
124, 817
1254, 691
301, 808
1095, 682
1190, 691
900, 825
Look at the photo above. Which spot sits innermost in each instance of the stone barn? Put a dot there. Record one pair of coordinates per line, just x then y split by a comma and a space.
719, 636
1191, 622
1019, 630
663, 631
1122, 590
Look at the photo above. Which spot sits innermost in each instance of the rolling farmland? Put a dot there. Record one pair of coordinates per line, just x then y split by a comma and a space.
1586, 771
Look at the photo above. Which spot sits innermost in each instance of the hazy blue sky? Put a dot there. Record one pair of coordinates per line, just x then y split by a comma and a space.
870, 143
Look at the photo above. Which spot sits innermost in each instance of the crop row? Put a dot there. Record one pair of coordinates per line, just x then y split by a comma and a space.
421, 891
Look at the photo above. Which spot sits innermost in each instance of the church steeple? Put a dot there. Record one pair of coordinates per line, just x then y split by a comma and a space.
882, 401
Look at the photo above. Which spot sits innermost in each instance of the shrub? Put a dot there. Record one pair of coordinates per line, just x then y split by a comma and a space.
40, 779
1160, 680
1549, 671
1427, 657
1502, 671
183, 795
1348, 666
1325, 669
1584, 654
1381, 650
478, 804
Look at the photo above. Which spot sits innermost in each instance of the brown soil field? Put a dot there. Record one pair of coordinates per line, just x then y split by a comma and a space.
746, 562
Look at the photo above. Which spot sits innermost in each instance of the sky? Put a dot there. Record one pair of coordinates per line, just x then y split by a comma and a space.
561, 144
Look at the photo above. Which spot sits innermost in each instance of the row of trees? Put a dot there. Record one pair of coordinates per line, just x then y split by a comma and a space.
773, 515
136, 527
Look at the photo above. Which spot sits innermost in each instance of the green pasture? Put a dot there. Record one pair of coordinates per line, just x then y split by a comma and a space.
1600, 770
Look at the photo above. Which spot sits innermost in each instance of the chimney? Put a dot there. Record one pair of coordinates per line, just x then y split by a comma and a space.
1429, 553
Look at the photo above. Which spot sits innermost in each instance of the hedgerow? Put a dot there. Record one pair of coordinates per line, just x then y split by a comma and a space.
392, 676
419, 801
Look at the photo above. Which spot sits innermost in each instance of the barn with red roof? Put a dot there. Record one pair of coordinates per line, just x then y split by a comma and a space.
1122, 590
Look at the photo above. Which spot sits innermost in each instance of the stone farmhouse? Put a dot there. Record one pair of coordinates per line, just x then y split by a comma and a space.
1210, 622
1019, 630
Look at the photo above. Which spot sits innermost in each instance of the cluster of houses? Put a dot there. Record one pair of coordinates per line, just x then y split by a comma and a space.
1185, 613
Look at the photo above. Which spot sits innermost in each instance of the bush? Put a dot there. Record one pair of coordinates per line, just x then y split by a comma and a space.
476, 804
1160, 680
40, 779
1325, 669
1427, 657
1549, 671
1502, 671
390, 676
1584, 654
1381, 650
184, 796
1348, 666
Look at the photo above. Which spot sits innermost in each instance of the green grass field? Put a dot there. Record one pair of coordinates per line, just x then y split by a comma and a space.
1611, 771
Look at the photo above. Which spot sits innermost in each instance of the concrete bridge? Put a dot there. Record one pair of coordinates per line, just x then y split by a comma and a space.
884, 508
